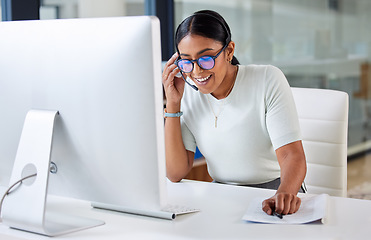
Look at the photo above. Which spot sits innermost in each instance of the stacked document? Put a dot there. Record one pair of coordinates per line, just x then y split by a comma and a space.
312, 209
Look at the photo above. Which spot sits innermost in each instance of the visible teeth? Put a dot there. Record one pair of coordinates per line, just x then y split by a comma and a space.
203, 79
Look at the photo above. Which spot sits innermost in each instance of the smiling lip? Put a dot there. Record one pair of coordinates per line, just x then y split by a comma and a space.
203, 80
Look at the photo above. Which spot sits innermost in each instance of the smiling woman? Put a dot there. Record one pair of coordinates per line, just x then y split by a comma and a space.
243, 118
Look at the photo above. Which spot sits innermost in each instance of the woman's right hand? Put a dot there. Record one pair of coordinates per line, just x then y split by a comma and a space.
173, 86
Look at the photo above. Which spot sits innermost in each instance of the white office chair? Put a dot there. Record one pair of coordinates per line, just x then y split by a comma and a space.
323, 118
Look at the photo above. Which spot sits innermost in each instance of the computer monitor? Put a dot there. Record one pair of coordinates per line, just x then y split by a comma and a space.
95, 94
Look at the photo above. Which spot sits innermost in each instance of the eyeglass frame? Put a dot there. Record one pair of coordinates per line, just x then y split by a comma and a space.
197, 60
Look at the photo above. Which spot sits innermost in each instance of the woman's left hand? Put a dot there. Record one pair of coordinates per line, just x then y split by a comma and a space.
282, 203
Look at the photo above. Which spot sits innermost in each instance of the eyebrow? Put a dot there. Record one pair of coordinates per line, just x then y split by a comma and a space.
200, 52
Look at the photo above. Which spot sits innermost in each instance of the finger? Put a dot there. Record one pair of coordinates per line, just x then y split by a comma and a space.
279, 207
174, 72
288, 202
268, 205
171, 82
169, 64
171, 71
294, 205
167, 71
177, 80
172, 59
175, 56
297, 205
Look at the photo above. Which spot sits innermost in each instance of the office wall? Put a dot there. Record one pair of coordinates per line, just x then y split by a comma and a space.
317, 43
280, 30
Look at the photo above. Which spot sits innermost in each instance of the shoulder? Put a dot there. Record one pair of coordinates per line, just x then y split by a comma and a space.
260, 75
259, 71
268, 73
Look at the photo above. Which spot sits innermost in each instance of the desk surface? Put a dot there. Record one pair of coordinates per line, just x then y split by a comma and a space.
222, 207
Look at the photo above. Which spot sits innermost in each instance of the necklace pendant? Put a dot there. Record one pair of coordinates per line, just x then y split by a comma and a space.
216, 120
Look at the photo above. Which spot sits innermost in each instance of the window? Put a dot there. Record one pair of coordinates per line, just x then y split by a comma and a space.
317, 43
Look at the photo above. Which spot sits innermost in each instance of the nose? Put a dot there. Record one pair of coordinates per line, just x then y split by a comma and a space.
196, 69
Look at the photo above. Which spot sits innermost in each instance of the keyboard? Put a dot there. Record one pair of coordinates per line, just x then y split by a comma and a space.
178, 209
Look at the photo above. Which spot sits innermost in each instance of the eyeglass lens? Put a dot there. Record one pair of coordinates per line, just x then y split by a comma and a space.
205, 62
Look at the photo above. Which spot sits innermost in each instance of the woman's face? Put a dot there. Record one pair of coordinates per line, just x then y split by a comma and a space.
194, 46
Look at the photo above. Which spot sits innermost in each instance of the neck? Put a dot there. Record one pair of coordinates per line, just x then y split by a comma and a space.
227, 84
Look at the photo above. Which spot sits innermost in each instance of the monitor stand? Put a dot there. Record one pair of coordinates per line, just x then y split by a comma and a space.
25, 207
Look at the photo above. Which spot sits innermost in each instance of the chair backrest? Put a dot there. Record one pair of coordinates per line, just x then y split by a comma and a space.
323, 117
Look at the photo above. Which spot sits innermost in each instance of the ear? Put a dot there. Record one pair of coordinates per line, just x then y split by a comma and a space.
230, 51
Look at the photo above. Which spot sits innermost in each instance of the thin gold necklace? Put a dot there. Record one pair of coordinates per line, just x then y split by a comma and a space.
222, 107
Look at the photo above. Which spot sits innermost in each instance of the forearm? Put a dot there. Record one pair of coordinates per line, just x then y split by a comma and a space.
293, 169
178, 163
292, 176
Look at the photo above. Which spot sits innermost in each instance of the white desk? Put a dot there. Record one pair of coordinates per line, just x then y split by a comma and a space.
222, 207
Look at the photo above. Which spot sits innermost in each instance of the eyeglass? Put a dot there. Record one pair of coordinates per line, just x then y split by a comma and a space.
205, 62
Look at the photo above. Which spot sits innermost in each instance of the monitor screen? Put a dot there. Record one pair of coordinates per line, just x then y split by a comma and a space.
103, 77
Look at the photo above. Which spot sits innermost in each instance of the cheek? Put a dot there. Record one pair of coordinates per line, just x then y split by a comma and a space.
220, 64
220, 71
187, 75
218, 79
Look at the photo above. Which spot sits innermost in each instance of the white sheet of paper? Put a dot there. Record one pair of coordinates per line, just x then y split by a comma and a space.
312, 208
